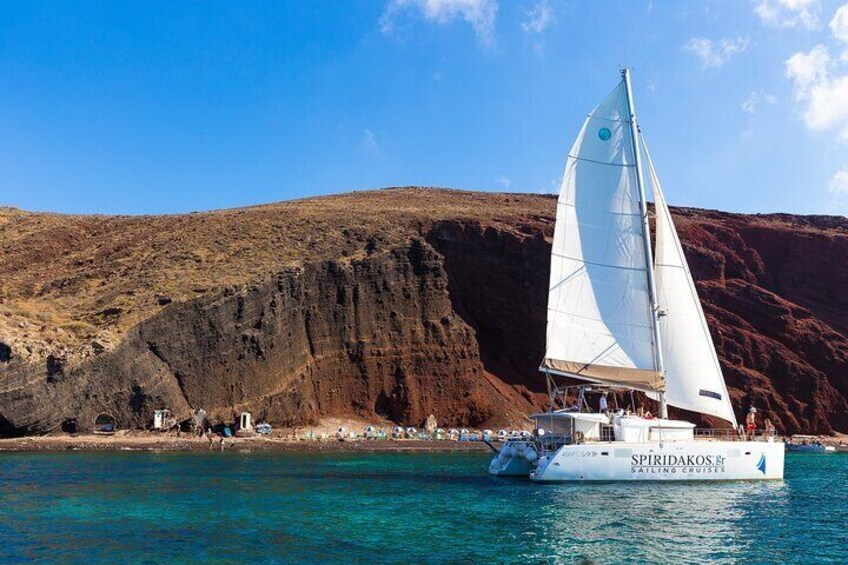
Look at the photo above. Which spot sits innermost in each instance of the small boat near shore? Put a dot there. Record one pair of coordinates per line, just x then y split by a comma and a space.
807, 444
624, 317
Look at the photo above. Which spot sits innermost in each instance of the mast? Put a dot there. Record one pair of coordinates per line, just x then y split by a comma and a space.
643, 205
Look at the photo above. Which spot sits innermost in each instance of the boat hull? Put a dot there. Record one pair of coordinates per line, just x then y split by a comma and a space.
670, 461
512, 460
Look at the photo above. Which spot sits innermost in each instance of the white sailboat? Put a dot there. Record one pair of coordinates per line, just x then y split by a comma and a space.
622, 319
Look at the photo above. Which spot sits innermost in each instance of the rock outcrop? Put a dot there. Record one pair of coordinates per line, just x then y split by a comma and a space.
394, 304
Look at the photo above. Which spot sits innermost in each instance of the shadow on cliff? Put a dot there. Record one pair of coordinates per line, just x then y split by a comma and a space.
497, 281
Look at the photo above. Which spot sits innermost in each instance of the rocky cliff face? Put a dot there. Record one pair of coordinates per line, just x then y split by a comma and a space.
392, 304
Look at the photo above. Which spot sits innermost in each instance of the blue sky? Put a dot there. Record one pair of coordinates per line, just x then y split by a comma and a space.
122, 107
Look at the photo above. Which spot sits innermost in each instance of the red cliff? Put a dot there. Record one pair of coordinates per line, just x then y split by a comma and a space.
396, 303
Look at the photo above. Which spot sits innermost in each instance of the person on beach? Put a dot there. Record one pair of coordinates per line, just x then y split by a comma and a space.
221, 443
751, 422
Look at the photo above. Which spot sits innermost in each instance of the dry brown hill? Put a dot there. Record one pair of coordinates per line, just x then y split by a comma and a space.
397, 303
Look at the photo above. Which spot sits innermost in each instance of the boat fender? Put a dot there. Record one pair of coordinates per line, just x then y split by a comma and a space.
530, 454
513, 451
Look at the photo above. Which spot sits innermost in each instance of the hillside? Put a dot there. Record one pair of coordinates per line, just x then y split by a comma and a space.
394, 303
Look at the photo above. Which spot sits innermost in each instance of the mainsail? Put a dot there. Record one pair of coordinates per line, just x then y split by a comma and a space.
693, 374
600, 319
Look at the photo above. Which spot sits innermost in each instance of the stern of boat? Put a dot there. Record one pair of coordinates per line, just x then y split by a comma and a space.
516, 458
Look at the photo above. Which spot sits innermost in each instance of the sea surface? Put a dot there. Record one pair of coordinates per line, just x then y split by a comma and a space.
142, 507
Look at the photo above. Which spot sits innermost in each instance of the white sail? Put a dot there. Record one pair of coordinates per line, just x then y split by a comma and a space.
692, 371
599, 314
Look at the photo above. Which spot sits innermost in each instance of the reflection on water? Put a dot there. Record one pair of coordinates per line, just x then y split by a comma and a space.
401, 508
673, 522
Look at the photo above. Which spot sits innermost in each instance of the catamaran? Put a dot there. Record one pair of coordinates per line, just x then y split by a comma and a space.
624, 318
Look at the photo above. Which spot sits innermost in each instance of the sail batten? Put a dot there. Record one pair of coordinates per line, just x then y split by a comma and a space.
599, 312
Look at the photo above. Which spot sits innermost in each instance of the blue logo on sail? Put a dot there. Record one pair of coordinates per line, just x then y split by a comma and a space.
604, 134
761, 466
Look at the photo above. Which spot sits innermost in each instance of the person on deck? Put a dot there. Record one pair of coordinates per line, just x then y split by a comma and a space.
604, 407
751, 421
769, 427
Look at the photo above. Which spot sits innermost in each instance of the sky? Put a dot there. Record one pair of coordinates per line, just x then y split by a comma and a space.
149, 107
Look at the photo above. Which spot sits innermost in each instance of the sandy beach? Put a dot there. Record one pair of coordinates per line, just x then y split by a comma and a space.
149, 441
136, 440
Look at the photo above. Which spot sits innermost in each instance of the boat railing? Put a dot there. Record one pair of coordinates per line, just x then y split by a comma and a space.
550, 442
724, 434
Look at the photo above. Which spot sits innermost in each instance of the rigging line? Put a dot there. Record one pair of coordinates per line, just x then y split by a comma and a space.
611, 213
588, 364
566, 279
606, 323
613, 120
584, 261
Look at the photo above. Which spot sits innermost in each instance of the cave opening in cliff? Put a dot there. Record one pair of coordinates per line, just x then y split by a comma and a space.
5, 353
7, 429
105, 423
70, 426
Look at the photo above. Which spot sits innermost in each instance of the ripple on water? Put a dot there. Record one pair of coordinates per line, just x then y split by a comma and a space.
401, 508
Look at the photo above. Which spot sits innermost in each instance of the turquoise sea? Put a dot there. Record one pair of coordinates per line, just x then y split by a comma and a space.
142, 507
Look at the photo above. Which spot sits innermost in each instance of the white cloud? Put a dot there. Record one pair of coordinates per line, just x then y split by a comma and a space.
808, 70
756, 99
828, 106
539, 18
480, 14
839, 183
716, 54
369, 143
789, 13
505, 182
823, 92
839, 24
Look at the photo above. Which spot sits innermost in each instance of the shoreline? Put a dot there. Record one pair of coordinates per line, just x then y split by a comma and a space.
159, 442
162, 442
